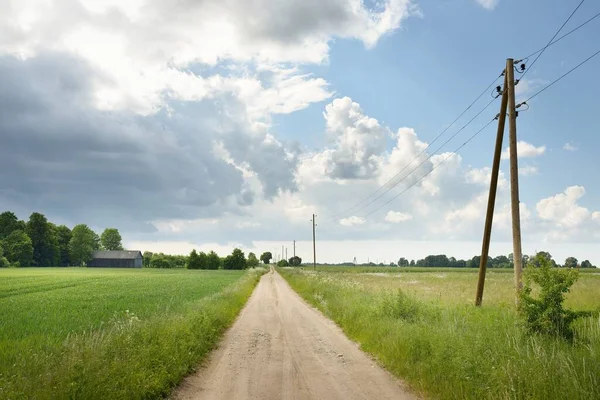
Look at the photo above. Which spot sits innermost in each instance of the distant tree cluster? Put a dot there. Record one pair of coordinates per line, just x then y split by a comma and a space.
202, 260
161, 260
41, 243
497, 262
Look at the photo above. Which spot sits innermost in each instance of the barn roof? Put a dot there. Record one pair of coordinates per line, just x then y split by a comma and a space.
116, 254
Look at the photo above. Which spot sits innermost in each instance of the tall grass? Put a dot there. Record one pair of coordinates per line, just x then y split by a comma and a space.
450, 350
129, 355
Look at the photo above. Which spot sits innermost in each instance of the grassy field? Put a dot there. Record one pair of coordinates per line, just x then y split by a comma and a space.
423, 328
110, 333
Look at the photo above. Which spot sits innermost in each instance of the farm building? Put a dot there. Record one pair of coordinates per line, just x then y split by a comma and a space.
117, 259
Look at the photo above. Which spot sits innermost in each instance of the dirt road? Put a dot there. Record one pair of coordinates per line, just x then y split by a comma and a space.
281, 348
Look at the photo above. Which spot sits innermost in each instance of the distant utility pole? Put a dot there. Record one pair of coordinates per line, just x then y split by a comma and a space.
487, 230
282, 253
514, 178
286, 257
314, 243
294, 248
508, 102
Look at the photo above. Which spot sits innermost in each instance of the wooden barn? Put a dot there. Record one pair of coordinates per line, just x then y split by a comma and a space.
117, 259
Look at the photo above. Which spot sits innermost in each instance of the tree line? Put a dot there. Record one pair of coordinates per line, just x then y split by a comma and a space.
501, 261
40, 243
201, 260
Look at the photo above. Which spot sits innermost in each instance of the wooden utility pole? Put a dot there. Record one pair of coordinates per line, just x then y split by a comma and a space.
294, 248
487, 230
514, 178
314, 244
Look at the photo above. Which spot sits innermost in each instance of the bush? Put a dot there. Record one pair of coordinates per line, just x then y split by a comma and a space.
160, 261
282, 263
546, 314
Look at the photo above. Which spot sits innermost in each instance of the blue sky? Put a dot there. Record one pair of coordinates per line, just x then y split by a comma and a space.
215, 124
425, 74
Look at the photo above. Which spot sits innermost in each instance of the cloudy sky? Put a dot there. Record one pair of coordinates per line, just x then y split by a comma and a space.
213, 124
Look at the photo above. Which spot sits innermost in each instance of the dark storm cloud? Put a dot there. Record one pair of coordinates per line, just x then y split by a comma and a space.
61, 156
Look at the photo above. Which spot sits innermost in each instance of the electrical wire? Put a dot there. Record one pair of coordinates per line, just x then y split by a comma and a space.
433, 169
422, 151
428, 158
563, 36
560, 77
550, 41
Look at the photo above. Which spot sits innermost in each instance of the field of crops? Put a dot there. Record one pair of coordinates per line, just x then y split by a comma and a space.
423, 327
110, 333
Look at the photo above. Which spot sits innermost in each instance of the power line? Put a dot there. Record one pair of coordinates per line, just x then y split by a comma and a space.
550, 41
431, 155
433, 169
418, 155
563, 36
560, 77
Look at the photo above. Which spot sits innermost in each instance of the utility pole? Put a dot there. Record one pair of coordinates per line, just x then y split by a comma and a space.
314, 244
294, 248
487, 230
514, 178
282, 252
286, 257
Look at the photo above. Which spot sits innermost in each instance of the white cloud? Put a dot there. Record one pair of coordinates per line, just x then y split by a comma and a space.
528, 170
483, 176
488, 4
397, 217
596, 216
563, 209
247, 224
149, 51
524, 150
358, 138
569, 147
351, 221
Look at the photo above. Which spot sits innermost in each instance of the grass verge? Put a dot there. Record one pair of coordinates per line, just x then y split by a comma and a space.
456, 351
129, 358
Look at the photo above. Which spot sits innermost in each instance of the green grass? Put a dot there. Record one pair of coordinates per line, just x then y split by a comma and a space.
423, 328
111, 333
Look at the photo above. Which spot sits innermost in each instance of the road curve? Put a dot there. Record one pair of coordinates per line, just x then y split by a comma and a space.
281, 348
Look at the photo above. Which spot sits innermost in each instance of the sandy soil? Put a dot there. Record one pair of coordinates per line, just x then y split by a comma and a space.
281, 348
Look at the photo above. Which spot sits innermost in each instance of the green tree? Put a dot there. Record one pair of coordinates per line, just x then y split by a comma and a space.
295, 261
403, 262
3, 260
535, 260
63, 236
18, 248
9, 223
266, 257
45, 244
252, 260
194, 260
82, 244
586, 264
111, 239
147, 257
213, 261
160, 260
236, 260
571, 262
